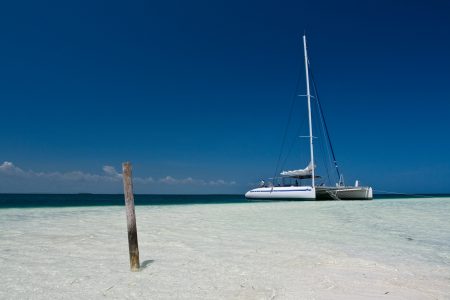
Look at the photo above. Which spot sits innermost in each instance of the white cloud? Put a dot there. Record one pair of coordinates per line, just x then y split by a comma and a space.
192, 181
141, 180
168, 180
9, 168
111, 171
110, 174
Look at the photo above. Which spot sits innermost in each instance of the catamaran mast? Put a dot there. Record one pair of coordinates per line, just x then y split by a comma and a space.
308, 94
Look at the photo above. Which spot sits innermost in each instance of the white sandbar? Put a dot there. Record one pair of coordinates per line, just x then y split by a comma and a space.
382, 249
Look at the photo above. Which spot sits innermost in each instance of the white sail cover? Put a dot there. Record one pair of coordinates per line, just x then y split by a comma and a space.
299, 173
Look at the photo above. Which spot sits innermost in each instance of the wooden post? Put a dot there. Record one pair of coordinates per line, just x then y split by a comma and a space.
131, 217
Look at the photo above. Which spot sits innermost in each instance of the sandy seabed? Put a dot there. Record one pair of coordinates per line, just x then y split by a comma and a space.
382, 249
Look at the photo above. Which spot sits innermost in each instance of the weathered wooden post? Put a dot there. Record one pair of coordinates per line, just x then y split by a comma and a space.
131, 217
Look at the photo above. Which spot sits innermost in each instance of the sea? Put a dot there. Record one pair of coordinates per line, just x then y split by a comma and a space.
68, 200
85, 199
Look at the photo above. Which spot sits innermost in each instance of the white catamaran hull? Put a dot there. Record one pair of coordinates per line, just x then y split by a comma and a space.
282, 193
344, 193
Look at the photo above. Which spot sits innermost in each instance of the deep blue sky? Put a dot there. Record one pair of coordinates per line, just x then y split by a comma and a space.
203, 89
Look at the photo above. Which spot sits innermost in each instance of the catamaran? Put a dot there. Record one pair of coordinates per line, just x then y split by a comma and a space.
291, 187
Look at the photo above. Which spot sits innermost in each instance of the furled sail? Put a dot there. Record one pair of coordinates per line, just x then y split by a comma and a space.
301, 173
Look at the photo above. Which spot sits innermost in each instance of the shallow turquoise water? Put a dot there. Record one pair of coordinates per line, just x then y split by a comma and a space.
62, 200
